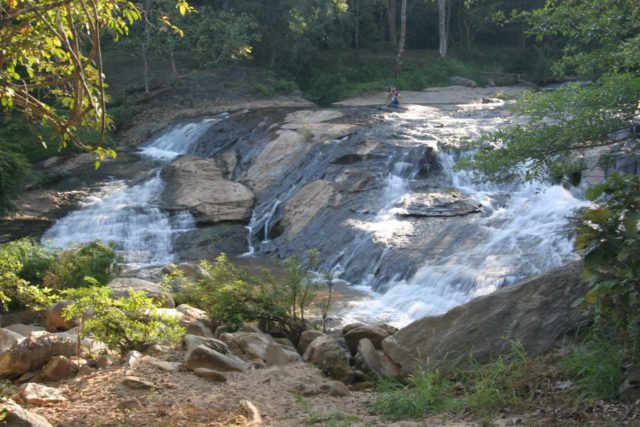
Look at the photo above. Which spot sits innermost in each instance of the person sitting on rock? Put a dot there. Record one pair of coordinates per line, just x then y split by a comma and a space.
393, 96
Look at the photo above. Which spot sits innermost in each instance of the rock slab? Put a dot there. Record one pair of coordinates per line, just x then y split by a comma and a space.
538, 313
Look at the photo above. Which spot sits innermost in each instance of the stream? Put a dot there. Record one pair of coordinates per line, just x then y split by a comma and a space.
417, 238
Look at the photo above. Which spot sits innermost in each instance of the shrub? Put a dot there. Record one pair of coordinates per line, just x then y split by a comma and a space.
35, 259
95, 259
231, 296
123, 324
14, 290
608, 236
14, 173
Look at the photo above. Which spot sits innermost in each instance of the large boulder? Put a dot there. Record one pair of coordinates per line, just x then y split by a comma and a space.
538, 312
211, 353
24, 330
34, 351
261, 346
198, 184
58, 368
305, 205
433, 204
374, 333
331, 355
8, 339
53, 320
274, 160
307, 338
369, 359
121, 286
38, 394
16, 416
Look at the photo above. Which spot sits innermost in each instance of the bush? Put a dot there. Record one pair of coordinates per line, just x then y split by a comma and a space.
231, 296
35, 259
123, 324
14, 174
95, 259
608, 236
15, 291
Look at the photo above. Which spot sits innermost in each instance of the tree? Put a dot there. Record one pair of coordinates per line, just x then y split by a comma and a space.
601, 41
608, 236
51, 62
403, 37
392, 8
443, 28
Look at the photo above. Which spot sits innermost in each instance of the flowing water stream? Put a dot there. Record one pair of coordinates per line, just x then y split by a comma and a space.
521, 230
128, 214
524, 231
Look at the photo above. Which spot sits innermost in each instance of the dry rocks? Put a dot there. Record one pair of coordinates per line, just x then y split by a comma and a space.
211, 354
35, 351
331, 355
16, 415
39, 395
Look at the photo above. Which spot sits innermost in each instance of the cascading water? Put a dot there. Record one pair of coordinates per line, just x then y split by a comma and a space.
523, 232
128, 216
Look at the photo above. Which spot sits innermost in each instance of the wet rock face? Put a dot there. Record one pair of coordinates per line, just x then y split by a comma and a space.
437, 204
538, 313
198, 185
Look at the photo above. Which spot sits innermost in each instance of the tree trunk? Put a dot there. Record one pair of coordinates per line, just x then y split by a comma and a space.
391, 21
442, 27
146, 42
403, 36
356, 38
145, 61
172, 59
449, 7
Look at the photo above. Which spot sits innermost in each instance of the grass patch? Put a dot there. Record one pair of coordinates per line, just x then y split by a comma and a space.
596, 368
424, 393
510, 384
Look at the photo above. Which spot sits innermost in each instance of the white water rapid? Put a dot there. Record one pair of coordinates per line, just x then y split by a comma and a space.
128, 215
523, 233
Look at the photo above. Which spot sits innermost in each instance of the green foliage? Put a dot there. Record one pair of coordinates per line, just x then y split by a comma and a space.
129, 323
608, 236
597, 367
338, 75
15, 171
34, 259
560, 122
215, 38
482, 390
600, 36
95, 259
15, 291
424, 393
232, 297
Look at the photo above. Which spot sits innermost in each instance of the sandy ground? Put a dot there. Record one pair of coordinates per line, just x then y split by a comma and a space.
453, 95
183, 399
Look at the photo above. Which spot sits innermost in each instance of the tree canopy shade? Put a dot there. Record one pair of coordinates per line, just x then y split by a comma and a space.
51, 61
601, 40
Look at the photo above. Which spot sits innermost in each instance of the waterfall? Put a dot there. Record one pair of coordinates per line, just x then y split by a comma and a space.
179, 139
524, 231
261, 221
128, 215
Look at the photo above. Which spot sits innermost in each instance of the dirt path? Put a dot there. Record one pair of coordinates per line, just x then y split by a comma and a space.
286, 396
